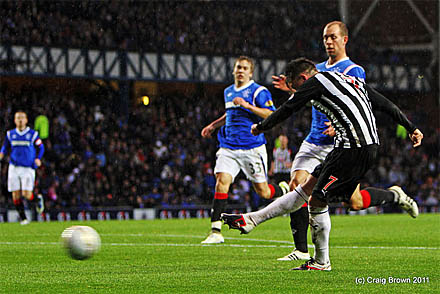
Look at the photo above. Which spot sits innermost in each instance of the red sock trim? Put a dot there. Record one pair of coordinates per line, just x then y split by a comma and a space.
272, 190
220, 195
366, 198
32, 197
304, 205
17, 202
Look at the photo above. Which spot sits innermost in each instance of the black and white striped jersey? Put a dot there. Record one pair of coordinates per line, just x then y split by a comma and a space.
348, 103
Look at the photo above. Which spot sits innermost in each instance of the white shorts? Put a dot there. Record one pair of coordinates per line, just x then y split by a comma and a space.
20, 178
309, 156
252, 162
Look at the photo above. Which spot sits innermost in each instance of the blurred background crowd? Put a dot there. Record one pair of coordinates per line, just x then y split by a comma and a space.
156, 156
269, 29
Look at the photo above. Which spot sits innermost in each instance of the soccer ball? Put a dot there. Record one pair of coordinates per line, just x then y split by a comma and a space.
81, 242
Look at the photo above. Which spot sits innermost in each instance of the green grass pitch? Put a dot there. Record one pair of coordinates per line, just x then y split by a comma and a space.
165, 256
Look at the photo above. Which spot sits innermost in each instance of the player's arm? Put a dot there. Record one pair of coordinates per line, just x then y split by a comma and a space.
261, 112
40, 146
381, 103
209, 129
6, 146
311, 89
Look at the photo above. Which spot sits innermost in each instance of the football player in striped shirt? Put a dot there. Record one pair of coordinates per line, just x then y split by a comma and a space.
319, 141
246, 103
348, 102
22, 141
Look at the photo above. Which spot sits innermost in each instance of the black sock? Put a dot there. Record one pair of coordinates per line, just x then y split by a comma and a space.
20, 209
299, 223
278, 191
218, 206
377, 196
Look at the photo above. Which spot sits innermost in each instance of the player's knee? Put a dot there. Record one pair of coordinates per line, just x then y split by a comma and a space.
222, 184
356, 206
294, 183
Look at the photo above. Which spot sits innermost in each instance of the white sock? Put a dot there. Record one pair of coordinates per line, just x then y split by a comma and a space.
320, 226
216, 225
287, 203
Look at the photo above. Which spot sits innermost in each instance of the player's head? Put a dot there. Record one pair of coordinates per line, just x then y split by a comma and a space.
335, 37
283, 141
20, 119
243, 70
298, 71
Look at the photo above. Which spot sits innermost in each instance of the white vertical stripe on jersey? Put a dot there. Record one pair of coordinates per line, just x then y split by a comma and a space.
366, 106
345, 144
258, 92
34, 137
347, 101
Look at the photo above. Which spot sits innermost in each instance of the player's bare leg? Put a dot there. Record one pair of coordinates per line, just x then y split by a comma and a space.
269, 191
370, 196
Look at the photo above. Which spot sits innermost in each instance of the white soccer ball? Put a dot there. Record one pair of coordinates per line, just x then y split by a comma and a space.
81, 242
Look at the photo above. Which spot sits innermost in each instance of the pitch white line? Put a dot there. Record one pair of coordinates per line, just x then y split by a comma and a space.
222, 245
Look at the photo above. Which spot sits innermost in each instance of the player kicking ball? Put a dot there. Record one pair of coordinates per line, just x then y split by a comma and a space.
348, 103
23, 162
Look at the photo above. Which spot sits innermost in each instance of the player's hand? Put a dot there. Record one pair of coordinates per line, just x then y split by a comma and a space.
240, 101
330, 131
254, 130
416, 137
207, 131
37, 162
279, 82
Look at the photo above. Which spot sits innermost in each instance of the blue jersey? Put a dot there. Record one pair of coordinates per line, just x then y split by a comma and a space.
22, 145
236, 133
345, 66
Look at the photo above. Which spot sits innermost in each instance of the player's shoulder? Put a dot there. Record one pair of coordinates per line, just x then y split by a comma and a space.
321, 66
353, 69
229, 88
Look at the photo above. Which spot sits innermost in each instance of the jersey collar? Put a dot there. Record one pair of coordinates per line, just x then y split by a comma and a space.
333, 65
23, 132
244, 86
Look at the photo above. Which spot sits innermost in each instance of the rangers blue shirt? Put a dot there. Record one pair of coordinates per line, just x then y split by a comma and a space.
345, 66
22, 145
236, 133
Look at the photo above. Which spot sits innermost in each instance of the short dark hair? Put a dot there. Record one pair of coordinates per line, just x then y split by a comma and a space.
248, 59
297, 66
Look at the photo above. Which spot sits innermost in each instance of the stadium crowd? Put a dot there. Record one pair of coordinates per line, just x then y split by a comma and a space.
157, 157
262, 29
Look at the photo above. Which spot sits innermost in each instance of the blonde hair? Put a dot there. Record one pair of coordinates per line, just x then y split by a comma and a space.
342, 27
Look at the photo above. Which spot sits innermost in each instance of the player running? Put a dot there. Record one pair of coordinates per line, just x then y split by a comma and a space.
246, 103
23, 162
348, 103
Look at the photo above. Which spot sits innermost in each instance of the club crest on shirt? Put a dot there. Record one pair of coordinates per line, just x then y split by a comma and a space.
246, 93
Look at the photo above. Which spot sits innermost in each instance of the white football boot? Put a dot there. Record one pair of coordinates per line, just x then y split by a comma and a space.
295, 255
405, 202
214, 238
240, 222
